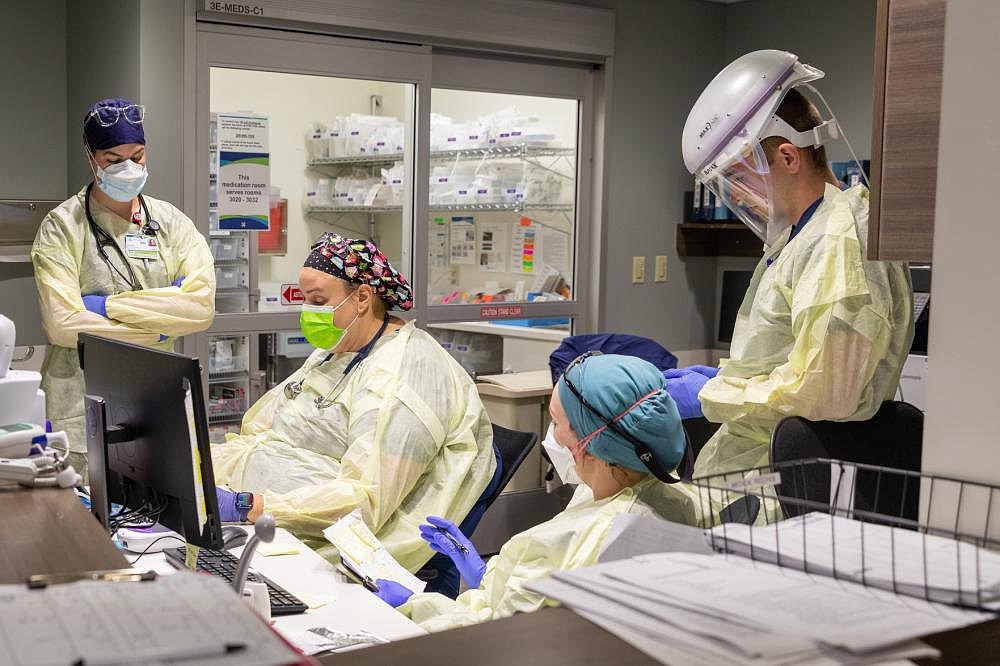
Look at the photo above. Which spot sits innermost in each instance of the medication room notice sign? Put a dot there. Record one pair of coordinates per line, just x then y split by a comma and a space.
244, 172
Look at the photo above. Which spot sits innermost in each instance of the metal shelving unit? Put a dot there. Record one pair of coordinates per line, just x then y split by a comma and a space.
496, 152
480, 207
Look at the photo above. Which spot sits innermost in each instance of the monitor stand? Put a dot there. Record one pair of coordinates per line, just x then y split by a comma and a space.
100, 436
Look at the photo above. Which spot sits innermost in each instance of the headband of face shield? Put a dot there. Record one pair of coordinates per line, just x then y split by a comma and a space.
742, 181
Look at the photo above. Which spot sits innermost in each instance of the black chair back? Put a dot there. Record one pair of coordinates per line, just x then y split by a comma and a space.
699, 430
892, 438
513, 447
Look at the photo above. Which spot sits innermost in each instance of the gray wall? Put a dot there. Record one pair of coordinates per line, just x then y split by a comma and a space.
33, 75
102, 47
161, 90
837, 37
665, 53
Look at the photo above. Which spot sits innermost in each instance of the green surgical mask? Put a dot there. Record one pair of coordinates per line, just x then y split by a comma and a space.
316, 322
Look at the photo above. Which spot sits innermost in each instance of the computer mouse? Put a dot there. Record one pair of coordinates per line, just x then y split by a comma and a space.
233, 536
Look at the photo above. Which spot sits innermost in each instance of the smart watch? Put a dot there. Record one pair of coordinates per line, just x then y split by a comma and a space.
244, 504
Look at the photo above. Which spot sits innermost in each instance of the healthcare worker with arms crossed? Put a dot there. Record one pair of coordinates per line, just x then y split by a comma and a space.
822, 332
616, 432
113, 262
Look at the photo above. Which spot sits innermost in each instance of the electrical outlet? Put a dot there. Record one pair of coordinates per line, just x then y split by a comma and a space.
638, 270
660, 272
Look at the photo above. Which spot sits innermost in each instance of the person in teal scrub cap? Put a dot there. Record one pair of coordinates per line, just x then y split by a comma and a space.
614, 431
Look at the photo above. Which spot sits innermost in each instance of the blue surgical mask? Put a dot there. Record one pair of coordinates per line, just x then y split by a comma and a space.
123, 181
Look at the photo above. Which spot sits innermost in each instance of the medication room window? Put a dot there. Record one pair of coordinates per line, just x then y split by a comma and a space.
338, 161
502, 198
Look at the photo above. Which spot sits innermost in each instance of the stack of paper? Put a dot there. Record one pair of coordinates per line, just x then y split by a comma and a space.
710, 609
890, 558
365, 555
185, 617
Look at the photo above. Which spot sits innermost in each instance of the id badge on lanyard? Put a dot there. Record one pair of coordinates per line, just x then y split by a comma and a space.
142, 246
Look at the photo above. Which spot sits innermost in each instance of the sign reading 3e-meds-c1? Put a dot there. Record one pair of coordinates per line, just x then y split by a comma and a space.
234, 8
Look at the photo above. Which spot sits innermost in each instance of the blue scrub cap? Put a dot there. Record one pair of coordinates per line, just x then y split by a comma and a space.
105, 124
614, 385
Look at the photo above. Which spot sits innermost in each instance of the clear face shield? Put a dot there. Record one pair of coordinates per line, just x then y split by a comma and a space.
743, 185
721, 141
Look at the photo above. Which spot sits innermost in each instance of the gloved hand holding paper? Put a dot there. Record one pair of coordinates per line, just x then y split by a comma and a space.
365, 555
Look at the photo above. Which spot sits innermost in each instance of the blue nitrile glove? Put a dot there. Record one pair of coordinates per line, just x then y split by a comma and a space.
96, 304
684, 388
706, 370
392, 592
227, 505
177, 282
469, 564
162, 338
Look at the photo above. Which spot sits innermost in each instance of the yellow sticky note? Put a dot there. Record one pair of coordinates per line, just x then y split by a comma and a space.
314, 602
271, 550
191, 557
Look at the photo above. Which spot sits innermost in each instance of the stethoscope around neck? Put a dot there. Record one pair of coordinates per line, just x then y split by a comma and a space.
293, 389
103, 239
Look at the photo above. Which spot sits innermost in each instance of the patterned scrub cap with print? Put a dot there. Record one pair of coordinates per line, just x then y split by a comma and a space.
359, 261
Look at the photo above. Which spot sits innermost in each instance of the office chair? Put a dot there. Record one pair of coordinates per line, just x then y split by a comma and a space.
892, 438
510, 447
699, 430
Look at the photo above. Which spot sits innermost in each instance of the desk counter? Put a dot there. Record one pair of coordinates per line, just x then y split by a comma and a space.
48, 531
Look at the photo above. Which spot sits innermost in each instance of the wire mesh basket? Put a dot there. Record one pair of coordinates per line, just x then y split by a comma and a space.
917, 534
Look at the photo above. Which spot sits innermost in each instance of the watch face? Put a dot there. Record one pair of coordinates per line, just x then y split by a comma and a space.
244, 500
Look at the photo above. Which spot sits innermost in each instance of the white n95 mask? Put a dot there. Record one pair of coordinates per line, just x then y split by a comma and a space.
561, 458
122, 181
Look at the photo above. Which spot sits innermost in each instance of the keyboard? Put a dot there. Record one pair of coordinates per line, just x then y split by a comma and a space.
222, 564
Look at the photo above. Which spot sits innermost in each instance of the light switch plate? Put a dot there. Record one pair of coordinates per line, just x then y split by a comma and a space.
660, 272
638, 270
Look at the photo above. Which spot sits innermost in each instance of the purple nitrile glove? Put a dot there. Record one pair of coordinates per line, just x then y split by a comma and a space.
177, 282
705, 370
97, 304
684, 390
227, 505
392, 592
445, 537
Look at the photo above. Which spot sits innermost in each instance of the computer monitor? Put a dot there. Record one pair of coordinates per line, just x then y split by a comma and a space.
732, 285
147, 439
921, 278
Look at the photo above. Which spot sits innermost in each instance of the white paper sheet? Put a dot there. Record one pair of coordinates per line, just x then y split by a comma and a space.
463, 240
885, 556
555, 249
438, 249
837, 613
631, 535
129, 622
673, 634
493, 247
365, 553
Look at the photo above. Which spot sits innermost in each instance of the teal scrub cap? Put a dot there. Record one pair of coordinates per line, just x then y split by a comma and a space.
613, 385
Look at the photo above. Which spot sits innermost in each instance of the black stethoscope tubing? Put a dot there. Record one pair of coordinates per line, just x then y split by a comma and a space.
293, 389
103, 239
